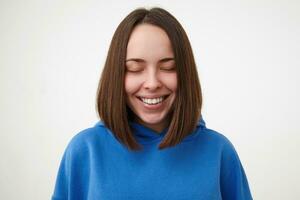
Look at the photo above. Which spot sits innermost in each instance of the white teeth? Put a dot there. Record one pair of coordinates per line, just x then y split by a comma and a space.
152, 101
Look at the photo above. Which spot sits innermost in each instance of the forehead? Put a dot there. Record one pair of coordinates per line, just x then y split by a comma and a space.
149, 42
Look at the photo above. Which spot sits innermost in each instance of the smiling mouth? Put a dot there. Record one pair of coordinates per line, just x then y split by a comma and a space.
153, 101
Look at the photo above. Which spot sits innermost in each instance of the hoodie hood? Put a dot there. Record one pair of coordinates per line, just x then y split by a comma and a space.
145, 135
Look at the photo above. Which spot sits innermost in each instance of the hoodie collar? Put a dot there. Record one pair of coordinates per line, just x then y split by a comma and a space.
146, 135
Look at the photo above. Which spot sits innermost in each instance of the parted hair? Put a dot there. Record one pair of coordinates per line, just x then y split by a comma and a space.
111, 96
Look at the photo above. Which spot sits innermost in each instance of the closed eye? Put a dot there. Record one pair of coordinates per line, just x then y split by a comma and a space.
133, 71
134, 68
168, 68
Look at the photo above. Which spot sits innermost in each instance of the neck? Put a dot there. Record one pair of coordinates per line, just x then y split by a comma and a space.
158, 128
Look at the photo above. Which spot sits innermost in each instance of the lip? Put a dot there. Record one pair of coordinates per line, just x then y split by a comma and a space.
153, 107
153, 97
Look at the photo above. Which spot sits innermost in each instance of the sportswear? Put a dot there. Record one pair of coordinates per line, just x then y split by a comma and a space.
203, 166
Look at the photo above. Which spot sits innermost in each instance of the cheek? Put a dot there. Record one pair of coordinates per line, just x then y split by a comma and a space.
174, 83
132, 84
171, 82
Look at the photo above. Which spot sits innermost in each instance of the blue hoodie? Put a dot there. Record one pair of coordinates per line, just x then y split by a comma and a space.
204, 166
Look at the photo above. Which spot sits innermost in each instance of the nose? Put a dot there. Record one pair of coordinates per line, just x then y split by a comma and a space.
152, 81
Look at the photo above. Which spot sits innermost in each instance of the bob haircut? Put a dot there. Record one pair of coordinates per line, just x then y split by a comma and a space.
111, 96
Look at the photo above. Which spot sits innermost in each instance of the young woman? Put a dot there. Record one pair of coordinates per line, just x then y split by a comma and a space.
151, 142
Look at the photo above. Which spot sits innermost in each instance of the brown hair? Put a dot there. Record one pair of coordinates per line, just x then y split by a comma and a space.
111, 96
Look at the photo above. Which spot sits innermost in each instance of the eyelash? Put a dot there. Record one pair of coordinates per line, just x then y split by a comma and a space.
134, 71
167, 69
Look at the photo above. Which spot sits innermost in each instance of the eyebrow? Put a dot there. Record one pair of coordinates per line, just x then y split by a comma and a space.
139, 60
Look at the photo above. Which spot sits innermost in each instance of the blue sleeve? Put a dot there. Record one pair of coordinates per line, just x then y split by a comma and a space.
233, 180
73, 172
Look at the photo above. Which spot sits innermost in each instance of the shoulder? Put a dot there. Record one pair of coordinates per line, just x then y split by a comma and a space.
87, 139
76, 161
219, 145
227, 148
209, 136
229, 158
214, 137
233, 180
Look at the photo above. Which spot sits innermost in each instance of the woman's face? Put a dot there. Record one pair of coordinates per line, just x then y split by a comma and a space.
150, 79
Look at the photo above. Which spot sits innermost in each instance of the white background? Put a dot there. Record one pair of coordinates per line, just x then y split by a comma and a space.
51, 57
